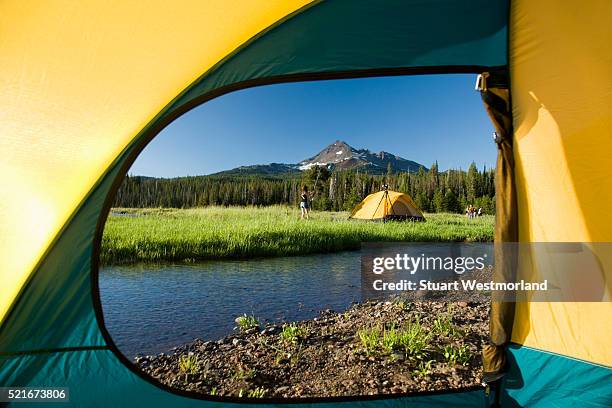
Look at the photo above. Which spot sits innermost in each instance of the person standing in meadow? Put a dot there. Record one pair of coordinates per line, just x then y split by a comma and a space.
304, 203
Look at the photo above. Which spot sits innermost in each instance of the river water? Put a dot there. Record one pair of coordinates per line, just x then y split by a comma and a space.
150, 308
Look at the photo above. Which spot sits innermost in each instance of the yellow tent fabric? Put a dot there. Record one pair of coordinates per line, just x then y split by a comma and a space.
561, 86
75, 94
386, 205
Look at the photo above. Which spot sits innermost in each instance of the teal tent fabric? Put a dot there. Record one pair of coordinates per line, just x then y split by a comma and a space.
541, 379
54, 334
96, 378
370, 38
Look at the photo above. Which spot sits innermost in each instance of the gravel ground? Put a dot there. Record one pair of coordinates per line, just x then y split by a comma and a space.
331, 355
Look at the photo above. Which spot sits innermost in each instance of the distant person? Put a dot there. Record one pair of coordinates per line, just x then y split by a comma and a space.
305, 202
480, 211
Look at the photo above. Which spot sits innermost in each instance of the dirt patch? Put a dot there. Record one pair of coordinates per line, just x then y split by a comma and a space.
373, 348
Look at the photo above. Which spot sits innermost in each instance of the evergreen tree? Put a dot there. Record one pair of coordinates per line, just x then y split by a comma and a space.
422, 201
452, 190
472, 183
438, 201
450, 203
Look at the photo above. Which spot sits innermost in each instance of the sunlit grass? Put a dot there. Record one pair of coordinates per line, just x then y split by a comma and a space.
412, 339
456, 354
246, 232
189, 364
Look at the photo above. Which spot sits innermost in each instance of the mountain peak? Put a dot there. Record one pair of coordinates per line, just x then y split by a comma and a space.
341, 155
340, 143
332, 154
338, 155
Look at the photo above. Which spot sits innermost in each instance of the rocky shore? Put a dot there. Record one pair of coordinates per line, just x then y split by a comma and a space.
390, 347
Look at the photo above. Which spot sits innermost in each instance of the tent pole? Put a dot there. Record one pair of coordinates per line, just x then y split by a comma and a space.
381, 200
389, 201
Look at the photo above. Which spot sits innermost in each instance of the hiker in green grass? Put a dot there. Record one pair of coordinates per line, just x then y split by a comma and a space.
305, 203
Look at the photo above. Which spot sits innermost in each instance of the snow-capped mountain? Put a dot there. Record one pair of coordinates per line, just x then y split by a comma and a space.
338, 155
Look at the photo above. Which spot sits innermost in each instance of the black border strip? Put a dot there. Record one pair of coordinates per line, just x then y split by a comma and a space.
160, 125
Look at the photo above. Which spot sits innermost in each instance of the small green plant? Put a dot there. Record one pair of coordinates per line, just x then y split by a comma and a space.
189, 364
213, 392
370, 338
244, 374
279, 353
424, 368
258, 392
414, 340
444, 326
401, 304
295, 356
245, 322
391, 339
457, 354
292, 333
464, 355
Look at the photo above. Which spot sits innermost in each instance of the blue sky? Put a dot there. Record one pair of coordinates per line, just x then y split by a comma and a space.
421, 118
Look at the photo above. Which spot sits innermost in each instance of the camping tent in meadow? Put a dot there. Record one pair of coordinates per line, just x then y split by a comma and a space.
387, 205
84, 86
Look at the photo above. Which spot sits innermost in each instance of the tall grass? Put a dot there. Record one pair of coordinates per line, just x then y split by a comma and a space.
239, 232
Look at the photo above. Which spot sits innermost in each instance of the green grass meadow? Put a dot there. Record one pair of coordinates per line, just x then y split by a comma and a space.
145, 235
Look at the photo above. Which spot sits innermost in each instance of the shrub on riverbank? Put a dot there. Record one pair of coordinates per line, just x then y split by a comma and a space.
135, 235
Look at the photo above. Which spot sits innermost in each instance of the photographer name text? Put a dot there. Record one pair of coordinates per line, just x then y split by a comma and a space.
465, 285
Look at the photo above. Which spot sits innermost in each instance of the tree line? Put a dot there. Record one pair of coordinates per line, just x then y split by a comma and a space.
432, 190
